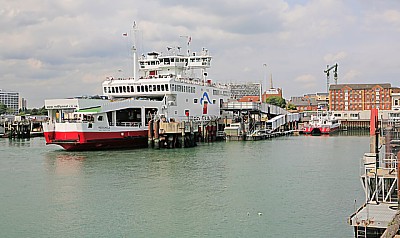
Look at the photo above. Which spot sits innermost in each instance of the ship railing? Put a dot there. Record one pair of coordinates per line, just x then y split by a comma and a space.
389, 161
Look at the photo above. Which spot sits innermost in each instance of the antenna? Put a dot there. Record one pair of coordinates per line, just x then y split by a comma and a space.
134, 50
189, 39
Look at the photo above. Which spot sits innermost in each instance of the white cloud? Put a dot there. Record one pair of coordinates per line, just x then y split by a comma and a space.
35, 63
332, 58
72, 45
350, 76
306, 81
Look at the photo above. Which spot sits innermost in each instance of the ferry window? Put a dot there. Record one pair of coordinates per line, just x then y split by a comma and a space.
162, 87
132, 89
116, 90
128, 89
142, 88
113, 90
109, 89
150, 88
138, 88
100, 118
105, 89
120, 89
195, 100
124, 89
194, 90
158, 87
214, 101
172, 87
172, 60
175, 112
146, 88
166, 87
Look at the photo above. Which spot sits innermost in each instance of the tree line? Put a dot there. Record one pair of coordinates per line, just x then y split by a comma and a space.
280, 102
34, 111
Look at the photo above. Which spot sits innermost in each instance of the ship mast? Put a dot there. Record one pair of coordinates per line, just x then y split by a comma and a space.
134, 51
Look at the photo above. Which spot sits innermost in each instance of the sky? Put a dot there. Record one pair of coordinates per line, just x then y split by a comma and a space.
64, 48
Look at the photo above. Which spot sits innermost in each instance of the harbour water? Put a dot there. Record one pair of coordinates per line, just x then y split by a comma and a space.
298, 186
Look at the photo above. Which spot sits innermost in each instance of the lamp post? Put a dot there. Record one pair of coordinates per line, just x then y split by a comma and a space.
266, 80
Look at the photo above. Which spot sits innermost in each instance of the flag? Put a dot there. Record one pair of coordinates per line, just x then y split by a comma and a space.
125, 34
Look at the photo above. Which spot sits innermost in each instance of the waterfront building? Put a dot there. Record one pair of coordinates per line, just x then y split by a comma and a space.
396, 99
359, 97
11, 100
304, 103
322, 99
272, 92
23, 104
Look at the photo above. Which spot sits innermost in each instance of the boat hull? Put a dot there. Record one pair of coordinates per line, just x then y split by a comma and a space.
320, 130
79, 141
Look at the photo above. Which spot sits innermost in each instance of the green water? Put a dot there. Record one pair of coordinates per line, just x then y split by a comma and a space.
286, 187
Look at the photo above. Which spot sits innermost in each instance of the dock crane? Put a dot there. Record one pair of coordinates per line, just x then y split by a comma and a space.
328, 69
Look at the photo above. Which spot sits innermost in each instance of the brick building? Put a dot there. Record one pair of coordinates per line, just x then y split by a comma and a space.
359, 97
272, 92
304, 103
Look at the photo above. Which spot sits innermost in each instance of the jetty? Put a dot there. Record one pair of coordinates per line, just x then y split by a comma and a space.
380, 175
21, 126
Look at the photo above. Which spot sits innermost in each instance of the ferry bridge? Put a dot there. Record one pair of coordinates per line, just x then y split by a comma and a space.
250, 118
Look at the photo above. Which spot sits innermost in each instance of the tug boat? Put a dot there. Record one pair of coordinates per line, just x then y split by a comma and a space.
171, 86
322, 123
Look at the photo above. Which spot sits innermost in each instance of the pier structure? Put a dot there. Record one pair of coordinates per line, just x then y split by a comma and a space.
256, 121
182, 134
21, 126
379, 178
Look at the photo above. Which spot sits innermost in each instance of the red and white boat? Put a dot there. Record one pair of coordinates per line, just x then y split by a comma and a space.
171, 86
322, 123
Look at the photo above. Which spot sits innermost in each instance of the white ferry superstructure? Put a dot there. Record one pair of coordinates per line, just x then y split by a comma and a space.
173, 87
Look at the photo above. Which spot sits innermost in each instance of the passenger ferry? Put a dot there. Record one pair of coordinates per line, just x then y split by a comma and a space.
322, 123
171, 87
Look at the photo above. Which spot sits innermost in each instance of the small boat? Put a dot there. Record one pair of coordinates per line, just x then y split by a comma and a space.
322, 123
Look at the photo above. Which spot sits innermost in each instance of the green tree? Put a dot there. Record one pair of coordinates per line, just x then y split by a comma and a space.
277, 101
42, 111
3, 108
291, 106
